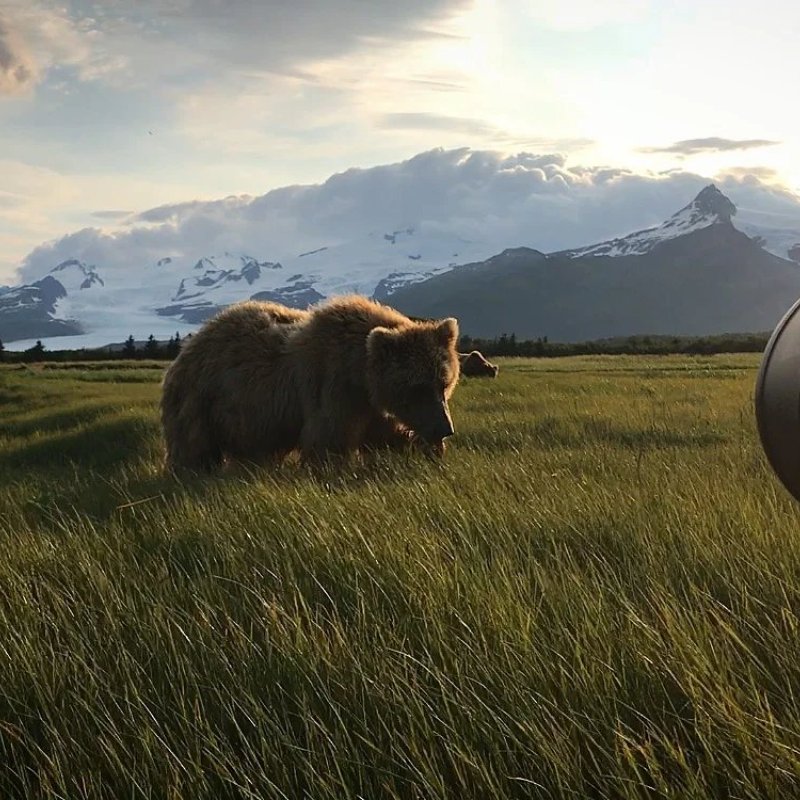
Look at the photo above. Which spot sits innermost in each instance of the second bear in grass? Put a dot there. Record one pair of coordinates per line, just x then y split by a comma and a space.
259, 381
474, 365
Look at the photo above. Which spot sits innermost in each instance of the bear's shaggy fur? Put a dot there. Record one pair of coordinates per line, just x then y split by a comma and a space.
277, 312
259, 381
474, 365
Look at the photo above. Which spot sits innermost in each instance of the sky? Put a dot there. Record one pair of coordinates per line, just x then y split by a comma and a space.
114, 108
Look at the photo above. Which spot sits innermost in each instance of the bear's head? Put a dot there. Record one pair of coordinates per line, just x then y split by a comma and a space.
411, 372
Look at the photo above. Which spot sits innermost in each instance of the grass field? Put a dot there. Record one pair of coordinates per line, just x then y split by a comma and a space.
596, 595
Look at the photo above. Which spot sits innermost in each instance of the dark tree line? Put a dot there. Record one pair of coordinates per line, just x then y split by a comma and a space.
150, 349
509, 345
504, 345
35, 353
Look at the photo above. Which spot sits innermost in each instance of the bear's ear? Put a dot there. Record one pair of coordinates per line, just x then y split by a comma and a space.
447, 331
381, 340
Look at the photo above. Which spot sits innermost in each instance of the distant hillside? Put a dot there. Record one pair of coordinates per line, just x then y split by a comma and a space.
712, 279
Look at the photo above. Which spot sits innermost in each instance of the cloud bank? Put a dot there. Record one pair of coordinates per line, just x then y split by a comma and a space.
710, 144
126, 42
536, 200
276, 35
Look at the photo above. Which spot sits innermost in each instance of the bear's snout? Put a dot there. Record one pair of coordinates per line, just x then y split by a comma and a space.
443, 427
445, 430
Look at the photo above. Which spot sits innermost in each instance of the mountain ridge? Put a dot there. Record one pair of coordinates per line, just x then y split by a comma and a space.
714, 279
407, 267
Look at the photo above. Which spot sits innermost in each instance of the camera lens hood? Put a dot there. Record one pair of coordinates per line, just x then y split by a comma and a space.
777, 400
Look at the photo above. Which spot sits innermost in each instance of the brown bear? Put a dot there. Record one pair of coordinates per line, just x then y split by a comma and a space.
476, 366
259, 381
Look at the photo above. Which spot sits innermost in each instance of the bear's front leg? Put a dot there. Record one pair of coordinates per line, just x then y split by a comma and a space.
384, 432
387, 433
327, 435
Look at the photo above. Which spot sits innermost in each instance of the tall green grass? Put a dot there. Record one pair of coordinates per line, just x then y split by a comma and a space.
596, 595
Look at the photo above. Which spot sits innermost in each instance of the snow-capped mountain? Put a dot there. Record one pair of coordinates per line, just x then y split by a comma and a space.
91, 304
710, 207
697, 274
73, 275
31, 311
776, 234
366, 266
178, 291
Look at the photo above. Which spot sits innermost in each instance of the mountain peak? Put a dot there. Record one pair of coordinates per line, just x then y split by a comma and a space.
709, 207
77, 275
711, 202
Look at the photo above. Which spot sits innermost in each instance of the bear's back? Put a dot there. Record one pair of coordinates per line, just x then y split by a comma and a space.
243, 338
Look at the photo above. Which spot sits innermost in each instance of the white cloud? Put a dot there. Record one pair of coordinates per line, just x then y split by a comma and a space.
179, 41
43, 35
37, 204
331, 95
17, 68
278, 36
257, 79
541, 201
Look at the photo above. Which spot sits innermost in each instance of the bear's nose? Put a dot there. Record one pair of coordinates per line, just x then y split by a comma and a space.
445, 429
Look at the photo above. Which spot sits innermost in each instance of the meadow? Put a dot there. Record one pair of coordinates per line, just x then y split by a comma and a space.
595, 595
